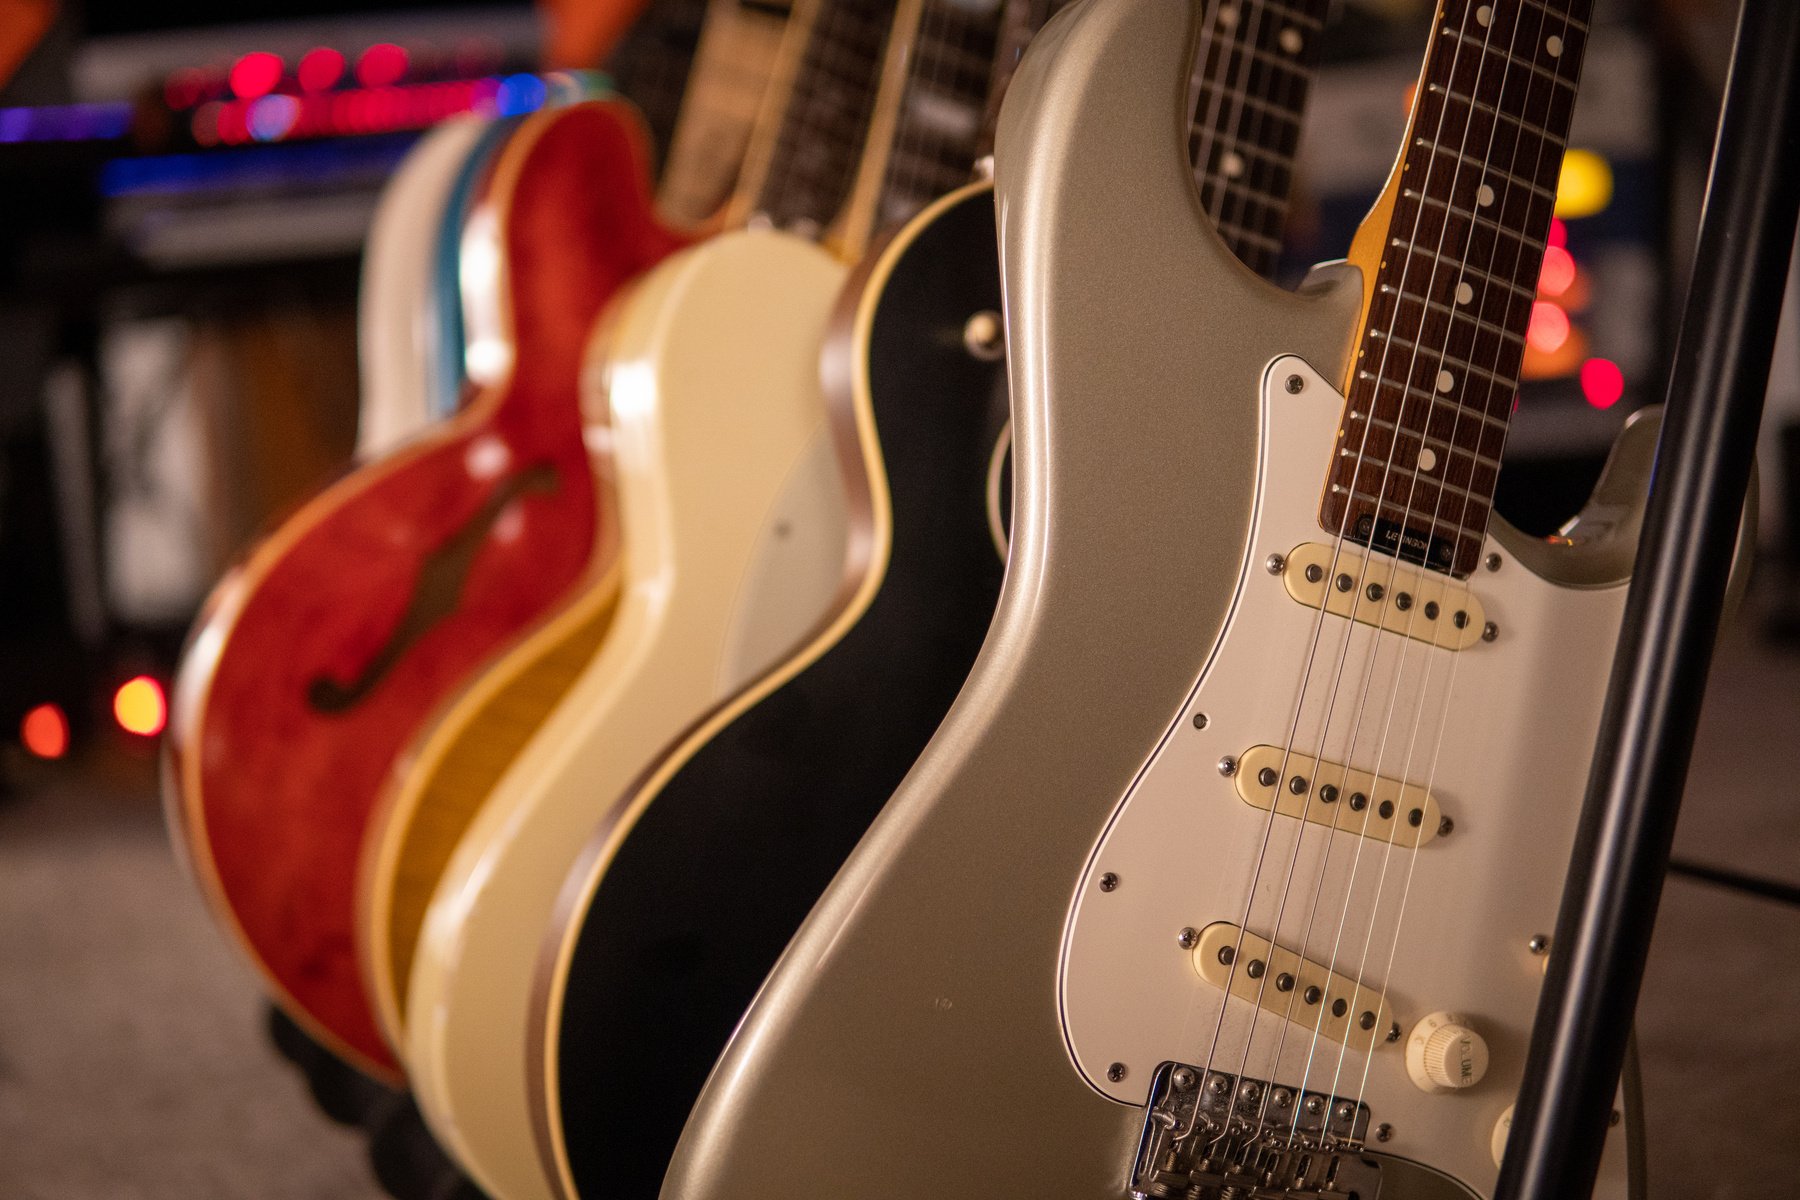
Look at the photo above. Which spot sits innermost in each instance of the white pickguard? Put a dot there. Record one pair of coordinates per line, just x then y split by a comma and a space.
1507, 761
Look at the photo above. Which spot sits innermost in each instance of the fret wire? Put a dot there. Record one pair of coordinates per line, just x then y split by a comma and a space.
1511, 59
1455, 360
1484, 222
1455, 314
1431, 479
1449, 446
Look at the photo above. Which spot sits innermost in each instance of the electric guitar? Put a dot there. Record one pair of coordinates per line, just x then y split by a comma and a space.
768, 795
409, 320
436, 784
736, 521
319, 655
1229, 870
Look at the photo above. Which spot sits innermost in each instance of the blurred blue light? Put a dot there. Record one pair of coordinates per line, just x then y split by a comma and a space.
520, 94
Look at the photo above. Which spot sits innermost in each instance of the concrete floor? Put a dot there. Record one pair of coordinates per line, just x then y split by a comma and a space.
134, 1065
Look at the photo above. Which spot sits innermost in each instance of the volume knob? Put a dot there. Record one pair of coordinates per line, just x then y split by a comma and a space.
1445, 1055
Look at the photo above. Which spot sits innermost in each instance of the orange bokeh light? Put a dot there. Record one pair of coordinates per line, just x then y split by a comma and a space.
139, 706
1558, 272
1549, 327
45, 731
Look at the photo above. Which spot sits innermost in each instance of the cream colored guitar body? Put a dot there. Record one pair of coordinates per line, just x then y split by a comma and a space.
398, 333
735, 522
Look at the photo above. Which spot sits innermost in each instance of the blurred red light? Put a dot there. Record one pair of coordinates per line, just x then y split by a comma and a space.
380, 65
1549, 327
1602, 382
45, 731
1559, 233
256, 74
139, 706
1558, 272
320, 69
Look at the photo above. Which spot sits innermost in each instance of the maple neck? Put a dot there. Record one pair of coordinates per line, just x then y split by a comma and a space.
1253, 67
1461, 229
928, 122
811, 131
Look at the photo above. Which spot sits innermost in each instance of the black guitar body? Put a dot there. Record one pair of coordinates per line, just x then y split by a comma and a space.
734, 850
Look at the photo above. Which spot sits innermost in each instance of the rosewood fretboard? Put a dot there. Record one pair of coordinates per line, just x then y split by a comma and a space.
1437, 365
826, 115
1252, 69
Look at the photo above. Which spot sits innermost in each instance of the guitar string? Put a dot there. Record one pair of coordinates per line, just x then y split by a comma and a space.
1460, 264
1237, 957
1203, 98
1558, 146
1295, 992
1240, 25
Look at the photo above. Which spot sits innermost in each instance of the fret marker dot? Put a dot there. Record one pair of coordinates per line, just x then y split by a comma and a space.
1445, 381
1554, 46
1483, 15
1484, 196
1464, 293
1427, 459
1290, 40
1232, 165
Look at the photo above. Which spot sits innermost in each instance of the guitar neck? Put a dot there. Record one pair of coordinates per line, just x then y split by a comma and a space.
811, 132
732, 66
1452, 253
928, 121
654, 61
1252, 69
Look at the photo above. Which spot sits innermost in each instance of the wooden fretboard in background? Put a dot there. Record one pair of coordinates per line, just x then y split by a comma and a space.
653, 61
823, 113
1252, 70
732, 67
1437, 365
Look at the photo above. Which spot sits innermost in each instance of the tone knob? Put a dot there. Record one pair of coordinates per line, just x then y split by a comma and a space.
1502, 1128
1445, 1055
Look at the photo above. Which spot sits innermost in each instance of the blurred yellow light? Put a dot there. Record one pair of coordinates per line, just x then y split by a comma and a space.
1586, 186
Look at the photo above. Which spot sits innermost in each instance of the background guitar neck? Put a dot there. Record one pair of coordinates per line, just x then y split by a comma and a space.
1253, 66
928, 120
732, 66
810, 133
1450, 256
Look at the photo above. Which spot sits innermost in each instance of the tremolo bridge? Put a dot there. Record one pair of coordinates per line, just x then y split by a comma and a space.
1209, 1135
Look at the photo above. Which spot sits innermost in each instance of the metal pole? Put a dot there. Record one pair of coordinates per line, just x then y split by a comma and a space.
1719, 375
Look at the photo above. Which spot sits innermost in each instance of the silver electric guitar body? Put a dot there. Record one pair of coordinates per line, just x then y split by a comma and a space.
1015, 957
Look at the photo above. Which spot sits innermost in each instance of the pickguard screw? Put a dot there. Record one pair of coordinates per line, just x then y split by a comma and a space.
1187, 938
1489, 632
1538, 944
984, 336
1384, 1132
1394, 1032
1445, 827
1116, 1072
1199, 720
1109, 882
1493, 562
1295, 384
1183, 1079
1228, 766
1276, 564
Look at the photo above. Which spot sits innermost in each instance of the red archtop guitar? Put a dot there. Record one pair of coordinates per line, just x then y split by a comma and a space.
321, 654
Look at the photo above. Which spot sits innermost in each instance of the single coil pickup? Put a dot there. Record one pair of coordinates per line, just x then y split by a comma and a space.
1386, 594
1307, 993
1328, 793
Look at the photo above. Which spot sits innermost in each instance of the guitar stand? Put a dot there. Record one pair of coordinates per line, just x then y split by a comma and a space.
1719, 375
